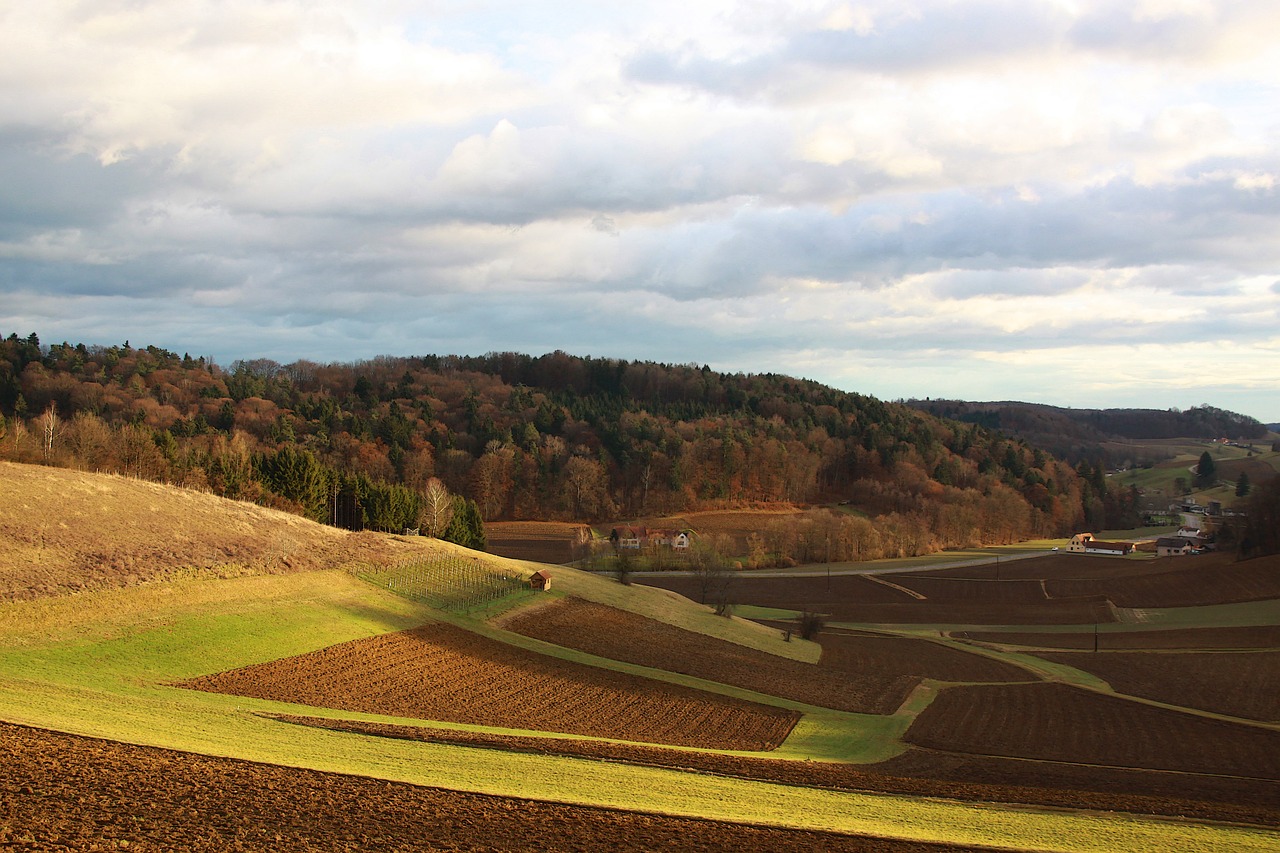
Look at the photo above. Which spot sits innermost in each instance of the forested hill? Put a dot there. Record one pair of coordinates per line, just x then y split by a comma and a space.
525, 437
1077, 434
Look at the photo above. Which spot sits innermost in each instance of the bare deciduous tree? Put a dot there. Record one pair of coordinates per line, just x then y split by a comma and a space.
437, 508
50, 425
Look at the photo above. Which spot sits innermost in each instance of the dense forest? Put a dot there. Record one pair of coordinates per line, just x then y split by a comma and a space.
379, 443
1079, 434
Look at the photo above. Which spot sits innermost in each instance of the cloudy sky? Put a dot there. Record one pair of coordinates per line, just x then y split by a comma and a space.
1072, 202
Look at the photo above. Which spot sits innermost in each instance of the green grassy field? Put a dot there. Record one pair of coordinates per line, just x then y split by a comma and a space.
99, 665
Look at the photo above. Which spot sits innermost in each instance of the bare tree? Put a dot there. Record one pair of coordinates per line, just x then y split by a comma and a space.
437, 508
710, 572
809, 623
50, 425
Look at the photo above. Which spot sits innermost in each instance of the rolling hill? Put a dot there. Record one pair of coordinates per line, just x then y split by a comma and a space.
180, 670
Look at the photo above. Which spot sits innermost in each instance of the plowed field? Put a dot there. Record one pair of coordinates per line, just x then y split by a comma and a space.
1055, 722
539, 541
850, 598
61, 792
1240, 684
439, 672
1261, 637
1183, 582
863, 673
922, 772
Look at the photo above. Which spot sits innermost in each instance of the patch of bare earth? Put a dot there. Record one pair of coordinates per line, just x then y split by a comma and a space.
853, 598
62, 792
539, 541
440, 672
1056, 722
1183, 582
1259, 637
1239, 684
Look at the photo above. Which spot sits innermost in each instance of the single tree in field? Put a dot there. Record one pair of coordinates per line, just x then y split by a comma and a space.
710, 572
1205, 470
1242, 485
624, 566
809, 623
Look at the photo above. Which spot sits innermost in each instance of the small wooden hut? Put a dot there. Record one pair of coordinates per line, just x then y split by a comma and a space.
540, 580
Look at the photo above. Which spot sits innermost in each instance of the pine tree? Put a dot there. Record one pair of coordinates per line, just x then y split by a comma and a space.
1242, 485
1205, 470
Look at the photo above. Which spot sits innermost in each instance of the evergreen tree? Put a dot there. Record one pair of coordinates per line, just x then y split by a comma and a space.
466, 528
1242, 485
1205, 470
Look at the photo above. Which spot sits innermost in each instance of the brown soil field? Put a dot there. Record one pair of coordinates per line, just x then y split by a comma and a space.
1258, 471
1184, 582
64, 531
1190, 639
1239, 684
851, 598
858, 672
440, 672
1056, 722
1052, 783
67, 793
1060, 566
976, 592
539, 541
918, 772
854, 653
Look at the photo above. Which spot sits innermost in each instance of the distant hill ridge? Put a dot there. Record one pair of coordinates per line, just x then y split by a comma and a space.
519, 437
1079, 433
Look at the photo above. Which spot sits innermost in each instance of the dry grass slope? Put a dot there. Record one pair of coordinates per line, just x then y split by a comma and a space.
64, 531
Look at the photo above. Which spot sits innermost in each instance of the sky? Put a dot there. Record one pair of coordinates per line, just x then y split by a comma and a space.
1070, 202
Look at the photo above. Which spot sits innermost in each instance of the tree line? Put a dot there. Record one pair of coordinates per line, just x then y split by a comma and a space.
514, 436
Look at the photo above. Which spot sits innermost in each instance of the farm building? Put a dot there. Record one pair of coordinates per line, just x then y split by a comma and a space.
1084, 543
1173, 546
540, 580
636, 537
1189, 532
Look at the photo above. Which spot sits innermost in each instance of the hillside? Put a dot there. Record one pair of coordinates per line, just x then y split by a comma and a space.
67, 531
516, 437
630, 706
1080, 434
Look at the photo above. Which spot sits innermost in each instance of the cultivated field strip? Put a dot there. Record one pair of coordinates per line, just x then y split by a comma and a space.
1181, 582
1189, 639
917, 772
850, 598
451, 582
1238, 684
441, 672
1055, 722
869, 674
62, 792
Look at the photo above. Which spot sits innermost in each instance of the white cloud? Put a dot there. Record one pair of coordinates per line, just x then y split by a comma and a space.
886, 195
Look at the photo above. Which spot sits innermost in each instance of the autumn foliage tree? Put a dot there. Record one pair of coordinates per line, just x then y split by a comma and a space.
547, 437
